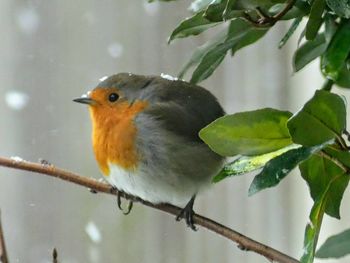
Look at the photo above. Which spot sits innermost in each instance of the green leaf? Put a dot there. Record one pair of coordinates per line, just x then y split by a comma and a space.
312, 230
246, 164
199, 5
279, 167
228, 7
315, 19
250, 37
210, 62
240, 34
248, 133
343, 79
215, 13
341, 155
294, 12
290, 31
309, 51
330, 27
191, 26
321, 119
253, 4
201, 51
337, 52
336, 246
319, 173
327, 183
340, 7
151, 1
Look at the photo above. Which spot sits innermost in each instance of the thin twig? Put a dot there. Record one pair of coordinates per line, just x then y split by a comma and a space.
3, 253
244, 242
266, 20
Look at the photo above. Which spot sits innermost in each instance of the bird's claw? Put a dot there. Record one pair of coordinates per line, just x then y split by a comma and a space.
119, 202
188, 216
187, 213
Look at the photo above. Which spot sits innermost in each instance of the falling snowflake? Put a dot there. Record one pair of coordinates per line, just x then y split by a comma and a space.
28, 20
151, 8
93, 232
115, 50
16, 100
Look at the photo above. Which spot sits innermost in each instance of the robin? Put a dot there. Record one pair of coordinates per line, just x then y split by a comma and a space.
145, 137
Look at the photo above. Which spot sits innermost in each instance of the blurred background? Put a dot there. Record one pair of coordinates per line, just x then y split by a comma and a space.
52, 52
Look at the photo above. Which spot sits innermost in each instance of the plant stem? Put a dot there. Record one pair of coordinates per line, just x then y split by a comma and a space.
327, 85
265, 20
245, 243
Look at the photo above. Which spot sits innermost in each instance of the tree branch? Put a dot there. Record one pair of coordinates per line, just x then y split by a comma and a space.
3, 254
266, 20
244, 243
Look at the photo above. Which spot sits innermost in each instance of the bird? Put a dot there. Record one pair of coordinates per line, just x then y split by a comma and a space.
145, 137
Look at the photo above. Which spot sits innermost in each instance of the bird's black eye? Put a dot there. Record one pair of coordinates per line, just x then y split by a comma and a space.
113, 97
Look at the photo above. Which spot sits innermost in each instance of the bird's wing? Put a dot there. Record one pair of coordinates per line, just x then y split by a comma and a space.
183, 108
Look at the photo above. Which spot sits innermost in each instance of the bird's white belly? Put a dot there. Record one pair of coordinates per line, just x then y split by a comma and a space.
149, 187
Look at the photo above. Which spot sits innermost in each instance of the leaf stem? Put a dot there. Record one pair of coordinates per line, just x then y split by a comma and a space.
327, 85
245, 243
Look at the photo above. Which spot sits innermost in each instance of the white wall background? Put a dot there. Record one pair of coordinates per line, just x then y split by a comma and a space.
53, 51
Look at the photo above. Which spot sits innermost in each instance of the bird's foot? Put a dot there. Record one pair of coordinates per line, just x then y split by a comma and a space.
119, 202
187, 213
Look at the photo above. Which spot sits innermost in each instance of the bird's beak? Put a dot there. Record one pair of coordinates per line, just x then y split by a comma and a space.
85, 100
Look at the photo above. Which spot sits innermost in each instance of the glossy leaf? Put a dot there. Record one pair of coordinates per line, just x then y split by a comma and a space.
240, 34
246, 164
218, 12
315, 19
312, 230
330, 27
248, 133
341, 155
228, 7
290, 31
199, 5
343, 79
210, 62
151, 1
337, 52
336, 246
191, 26
250, 37
294, 12
340, 7
321, 119
201, 51
319, 172
279, 167
253, 4
309, 51
327, 183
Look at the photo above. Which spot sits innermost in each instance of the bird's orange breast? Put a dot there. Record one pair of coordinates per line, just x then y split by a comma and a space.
114, 134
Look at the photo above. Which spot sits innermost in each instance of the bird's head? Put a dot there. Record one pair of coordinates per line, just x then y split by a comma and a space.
115, 97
